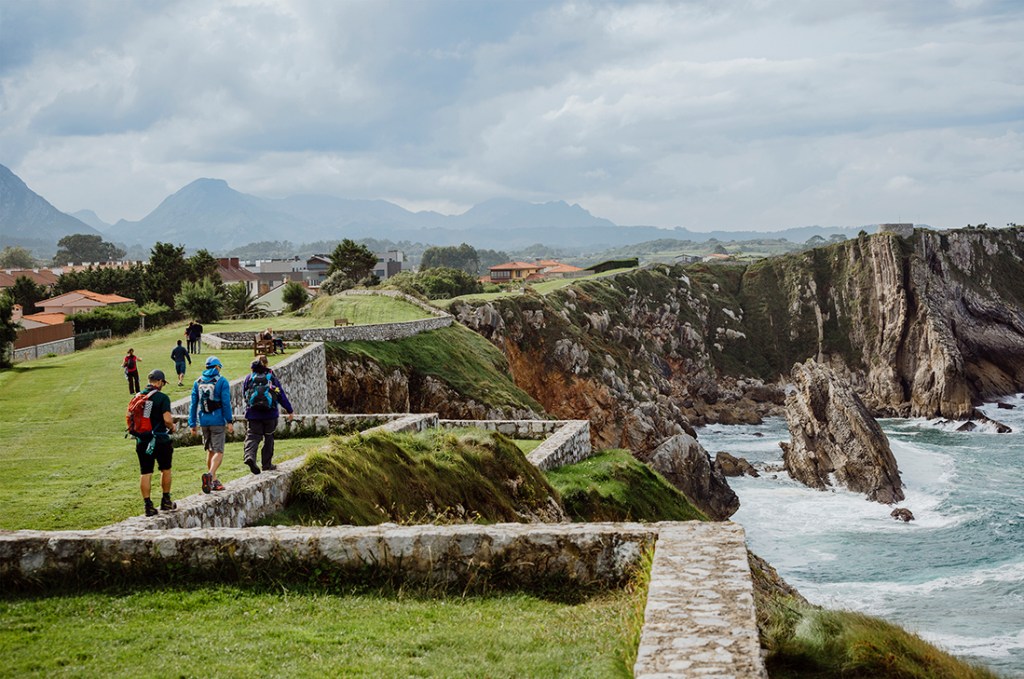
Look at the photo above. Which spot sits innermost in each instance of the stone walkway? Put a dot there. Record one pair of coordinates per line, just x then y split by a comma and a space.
700, 619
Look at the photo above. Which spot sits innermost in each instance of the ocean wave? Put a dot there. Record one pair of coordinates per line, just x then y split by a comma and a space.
874, 593
998, 646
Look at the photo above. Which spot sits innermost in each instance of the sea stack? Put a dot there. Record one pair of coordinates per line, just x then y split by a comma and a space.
835, 440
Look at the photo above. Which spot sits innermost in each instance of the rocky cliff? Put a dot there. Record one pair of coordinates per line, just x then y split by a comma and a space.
835, 440
925, 325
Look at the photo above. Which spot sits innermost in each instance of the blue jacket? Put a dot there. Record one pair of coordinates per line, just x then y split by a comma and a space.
222, 393
253, 414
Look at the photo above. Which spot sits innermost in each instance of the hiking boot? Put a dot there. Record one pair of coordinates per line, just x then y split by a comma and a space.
167, 506
217, 485
269, 467
207, 480
151, 510
252, 466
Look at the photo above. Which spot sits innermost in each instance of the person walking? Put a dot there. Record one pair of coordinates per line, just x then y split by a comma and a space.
190, 336
155, 446
197, 330
263, 392
210, 409
131, 371
179, 355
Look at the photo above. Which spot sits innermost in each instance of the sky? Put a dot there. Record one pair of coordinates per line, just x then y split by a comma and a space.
705, 114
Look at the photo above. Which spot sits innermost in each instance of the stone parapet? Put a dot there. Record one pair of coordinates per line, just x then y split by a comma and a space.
501, 555
379, 332
700, 619
568, 445
516, 429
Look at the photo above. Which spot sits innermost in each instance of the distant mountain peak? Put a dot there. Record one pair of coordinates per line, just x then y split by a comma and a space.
28, 219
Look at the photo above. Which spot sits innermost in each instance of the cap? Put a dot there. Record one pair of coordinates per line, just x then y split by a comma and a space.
157, 375
213, 361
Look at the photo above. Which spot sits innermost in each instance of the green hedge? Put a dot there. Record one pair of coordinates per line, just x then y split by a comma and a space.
122, 319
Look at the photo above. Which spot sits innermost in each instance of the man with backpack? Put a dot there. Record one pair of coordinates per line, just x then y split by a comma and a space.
210, 408
263, 392
150, 422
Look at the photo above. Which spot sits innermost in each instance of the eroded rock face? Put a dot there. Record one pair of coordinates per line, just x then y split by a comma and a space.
686, 464
835, 440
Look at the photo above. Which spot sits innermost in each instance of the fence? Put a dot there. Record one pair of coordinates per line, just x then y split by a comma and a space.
84, 339
51, 333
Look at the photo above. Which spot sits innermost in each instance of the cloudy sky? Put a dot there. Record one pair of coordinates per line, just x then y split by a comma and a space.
712, 114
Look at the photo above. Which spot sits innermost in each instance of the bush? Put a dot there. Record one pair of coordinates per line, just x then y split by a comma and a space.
202, 301
294, 295
335, 283
439, 283
121, 319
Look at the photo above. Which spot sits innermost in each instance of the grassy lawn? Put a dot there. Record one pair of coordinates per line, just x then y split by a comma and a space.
229, 631
66, 462
358, 309
543, 288
527, 445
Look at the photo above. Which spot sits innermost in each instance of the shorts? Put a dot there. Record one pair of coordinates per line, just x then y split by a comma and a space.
214, 438
179, 367
161, 456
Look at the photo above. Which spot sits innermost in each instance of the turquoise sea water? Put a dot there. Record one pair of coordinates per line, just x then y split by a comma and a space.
955, 575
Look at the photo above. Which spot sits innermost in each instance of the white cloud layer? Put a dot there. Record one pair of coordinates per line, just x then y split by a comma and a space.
705, 114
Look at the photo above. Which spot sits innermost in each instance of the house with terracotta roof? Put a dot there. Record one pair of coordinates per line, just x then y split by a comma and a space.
510, 272
40, 320
43, 277
231, 272
78, 301
553, 269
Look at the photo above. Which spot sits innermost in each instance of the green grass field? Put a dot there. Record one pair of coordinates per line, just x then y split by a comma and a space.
543, 288
227, 631
65, 459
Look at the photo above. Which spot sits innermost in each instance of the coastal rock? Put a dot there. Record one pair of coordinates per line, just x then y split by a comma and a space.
1005, 406
835, 440
730, 465
902, 514
979, 418
686, 464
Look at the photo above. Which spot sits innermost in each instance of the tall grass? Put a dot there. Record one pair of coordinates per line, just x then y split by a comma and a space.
803, 641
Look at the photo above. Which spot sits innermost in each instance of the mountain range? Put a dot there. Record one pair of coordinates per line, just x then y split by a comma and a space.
208, 213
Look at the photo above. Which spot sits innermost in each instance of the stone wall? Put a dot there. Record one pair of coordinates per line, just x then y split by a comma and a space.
379, 332
59, 347
303, 376
502, 555
565, 441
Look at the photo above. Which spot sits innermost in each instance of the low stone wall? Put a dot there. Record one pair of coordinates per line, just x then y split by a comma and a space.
565, 441
303, 376
251, 498
502, 555
380, 332
59, 347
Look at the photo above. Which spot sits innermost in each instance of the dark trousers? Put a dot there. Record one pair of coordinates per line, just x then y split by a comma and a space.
255, 431
133, 382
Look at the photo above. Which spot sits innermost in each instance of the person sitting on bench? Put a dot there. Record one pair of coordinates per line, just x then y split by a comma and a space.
268, 334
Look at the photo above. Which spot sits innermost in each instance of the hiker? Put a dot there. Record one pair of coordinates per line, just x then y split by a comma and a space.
263, 392
155, 445
194, 334
179, 355
210, 408
131, 371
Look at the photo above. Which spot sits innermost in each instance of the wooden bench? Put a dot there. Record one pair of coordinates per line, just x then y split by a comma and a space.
262, 346
341, 321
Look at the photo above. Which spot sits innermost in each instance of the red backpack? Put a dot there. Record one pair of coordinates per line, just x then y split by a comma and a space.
137, 415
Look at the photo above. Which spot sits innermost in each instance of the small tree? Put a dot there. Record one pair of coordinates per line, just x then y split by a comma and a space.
335, 283
294, 295
203, 265
12, 257
26, 293
165, 273
352, 259
238, 301
201, 301
8, 331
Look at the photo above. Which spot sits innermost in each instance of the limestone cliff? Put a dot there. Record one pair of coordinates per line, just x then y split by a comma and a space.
835, 440
922, 326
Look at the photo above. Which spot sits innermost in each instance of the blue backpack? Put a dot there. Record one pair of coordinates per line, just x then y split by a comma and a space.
261, 394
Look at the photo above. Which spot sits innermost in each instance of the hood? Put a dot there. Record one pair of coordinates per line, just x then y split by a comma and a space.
211, 374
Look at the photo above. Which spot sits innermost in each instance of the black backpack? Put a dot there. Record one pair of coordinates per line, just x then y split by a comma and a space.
261, 393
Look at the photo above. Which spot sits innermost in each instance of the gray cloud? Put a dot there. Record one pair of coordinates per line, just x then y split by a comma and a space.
755, 114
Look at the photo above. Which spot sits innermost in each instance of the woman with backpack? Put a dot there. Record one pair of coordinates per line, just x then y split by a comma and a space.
210, 410
131, 371
263, 393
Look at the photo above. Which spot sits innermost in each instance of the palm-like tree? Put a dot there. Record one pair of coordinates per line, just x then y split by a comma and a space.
238, 301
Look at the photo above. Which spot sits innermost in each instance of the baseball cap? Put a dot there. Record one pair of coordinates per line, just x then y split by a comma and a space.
157, 375
214, 361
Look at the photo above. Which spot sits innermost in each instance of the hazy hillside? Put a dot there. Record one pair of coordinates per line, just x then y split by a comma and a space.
92, 219
27, 219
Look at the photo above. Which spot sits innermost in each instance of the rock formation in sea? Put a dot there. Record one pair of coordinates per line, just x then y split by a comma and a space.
686, 464
730, 465
835, 440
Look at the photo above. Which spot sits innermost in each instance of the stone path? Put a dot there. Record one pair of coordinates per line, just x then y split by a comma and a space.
700, 620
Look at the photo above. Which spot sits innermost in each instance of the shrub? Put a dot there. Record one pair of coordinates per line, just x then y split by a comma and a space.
202, 301
294, 295
336, 283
